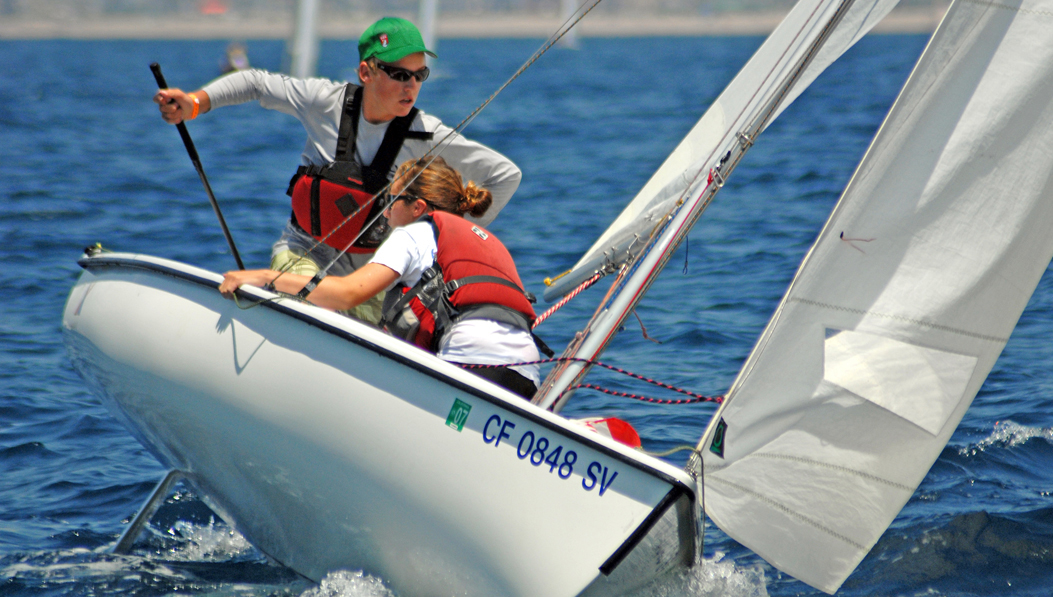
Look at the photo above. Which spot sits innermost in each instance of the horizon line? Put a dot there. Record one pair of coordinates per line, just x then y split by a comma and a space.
448, 26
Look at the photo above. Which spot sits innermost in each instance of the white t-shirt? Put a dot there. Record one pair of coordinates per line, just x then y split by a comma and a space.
410, 250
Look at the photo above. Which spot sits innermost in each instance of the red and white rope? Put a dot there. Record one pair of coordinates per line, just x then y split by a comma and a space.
563, 301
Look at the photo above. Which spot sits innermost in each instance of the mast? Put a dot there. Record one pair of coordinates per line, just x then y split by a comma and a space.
567, 10
302, 49
639, 272
427, 14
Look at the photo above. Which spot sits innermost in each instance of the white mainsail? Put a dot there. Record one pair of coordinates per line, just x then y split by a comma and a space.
762, 80
901, 307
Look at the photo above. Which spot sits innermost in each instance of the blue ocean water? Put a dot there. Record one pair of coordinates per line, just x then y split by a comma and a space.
84, 158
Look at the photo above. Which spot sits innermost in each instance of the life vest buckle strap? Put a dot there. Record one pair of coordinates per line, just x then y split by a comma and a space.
295, 179
491, 311
390, 314
455, 284
502, 314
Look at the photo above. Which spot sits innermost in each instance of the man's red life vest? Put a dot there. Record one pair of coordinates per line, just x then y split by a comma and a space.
324, 196
473, 277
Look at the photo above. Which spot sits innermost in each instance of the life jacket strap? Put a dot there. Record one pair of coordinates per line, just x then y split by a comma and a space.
454, 285
345, 141
316, 217
398, 131
492, 311
396, 307
499, 313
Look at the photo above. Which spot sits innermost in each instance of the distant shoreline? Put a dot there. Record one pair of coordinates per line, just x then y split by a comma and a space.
451, 26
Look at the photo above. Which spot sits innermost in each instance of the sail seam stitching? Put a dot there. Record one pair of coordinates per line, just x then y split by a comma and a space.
843, 469
790, 511
919, 322
1044, 13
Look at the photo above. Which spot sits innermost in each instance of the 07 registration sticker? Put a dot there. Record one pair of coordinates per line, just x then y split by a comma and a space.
458, 414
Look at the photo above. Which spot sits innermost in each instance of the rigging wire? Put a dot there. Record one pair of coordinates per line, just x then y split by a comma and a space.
716, 174
694, 397
671, 451
697, 399
716, 177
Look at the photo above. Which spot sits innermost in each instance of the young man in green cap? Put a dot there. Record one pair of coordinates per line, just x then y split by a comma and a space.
392, 66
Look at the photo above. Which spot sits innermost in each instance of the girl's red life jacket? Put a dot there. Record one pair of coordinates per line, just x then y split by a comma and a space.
324, 196
473, 277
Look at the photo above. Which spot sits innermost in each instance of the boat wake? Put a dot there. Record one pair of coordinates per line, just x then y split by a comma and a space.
67, 571
1007, 434
713, 577
186, 548
344, 583
213, 542
716, 577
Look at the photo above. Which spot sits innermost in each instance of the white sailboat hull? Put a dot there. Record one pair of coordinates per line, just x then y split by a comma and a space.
330, 445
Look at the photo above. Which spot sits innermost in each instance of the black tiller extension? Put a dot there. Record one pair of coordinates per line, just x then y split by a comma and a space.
161, 84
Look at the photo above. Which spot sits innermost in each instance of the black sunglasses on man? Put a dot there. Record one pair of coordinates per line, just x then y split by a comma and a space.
402, 75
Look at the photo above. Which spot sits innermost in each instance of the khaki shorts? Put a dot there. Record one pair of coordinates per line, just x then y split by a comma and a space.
369, 311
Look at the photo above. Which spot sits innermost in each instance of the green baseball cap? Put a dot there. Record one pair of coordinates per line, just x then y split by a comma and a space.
391, 39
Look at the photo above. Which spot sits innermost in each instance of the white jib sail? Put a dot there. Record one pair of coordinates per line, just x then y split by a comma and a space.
901, 307
788, 56
752, 89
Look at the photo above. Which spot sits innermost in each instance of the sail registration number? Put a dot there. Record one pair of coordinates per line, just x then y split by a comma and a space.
542, 452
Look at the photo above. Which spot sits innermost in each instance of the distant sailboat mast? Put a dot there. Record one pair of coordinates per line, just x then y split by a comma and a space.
427, 14
301, 53
568, 9
302, 49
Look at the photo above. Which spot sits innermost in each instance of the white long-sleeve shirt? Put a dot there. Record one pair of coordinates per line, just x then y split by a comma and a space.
319, 103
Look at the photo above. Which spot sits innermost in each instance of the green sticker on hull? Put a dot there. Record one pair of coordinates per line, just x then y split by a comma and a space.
458, 414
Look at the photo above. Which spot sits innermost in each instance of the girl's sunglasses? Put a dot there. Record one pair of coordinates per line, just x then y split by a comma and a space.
403, 75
